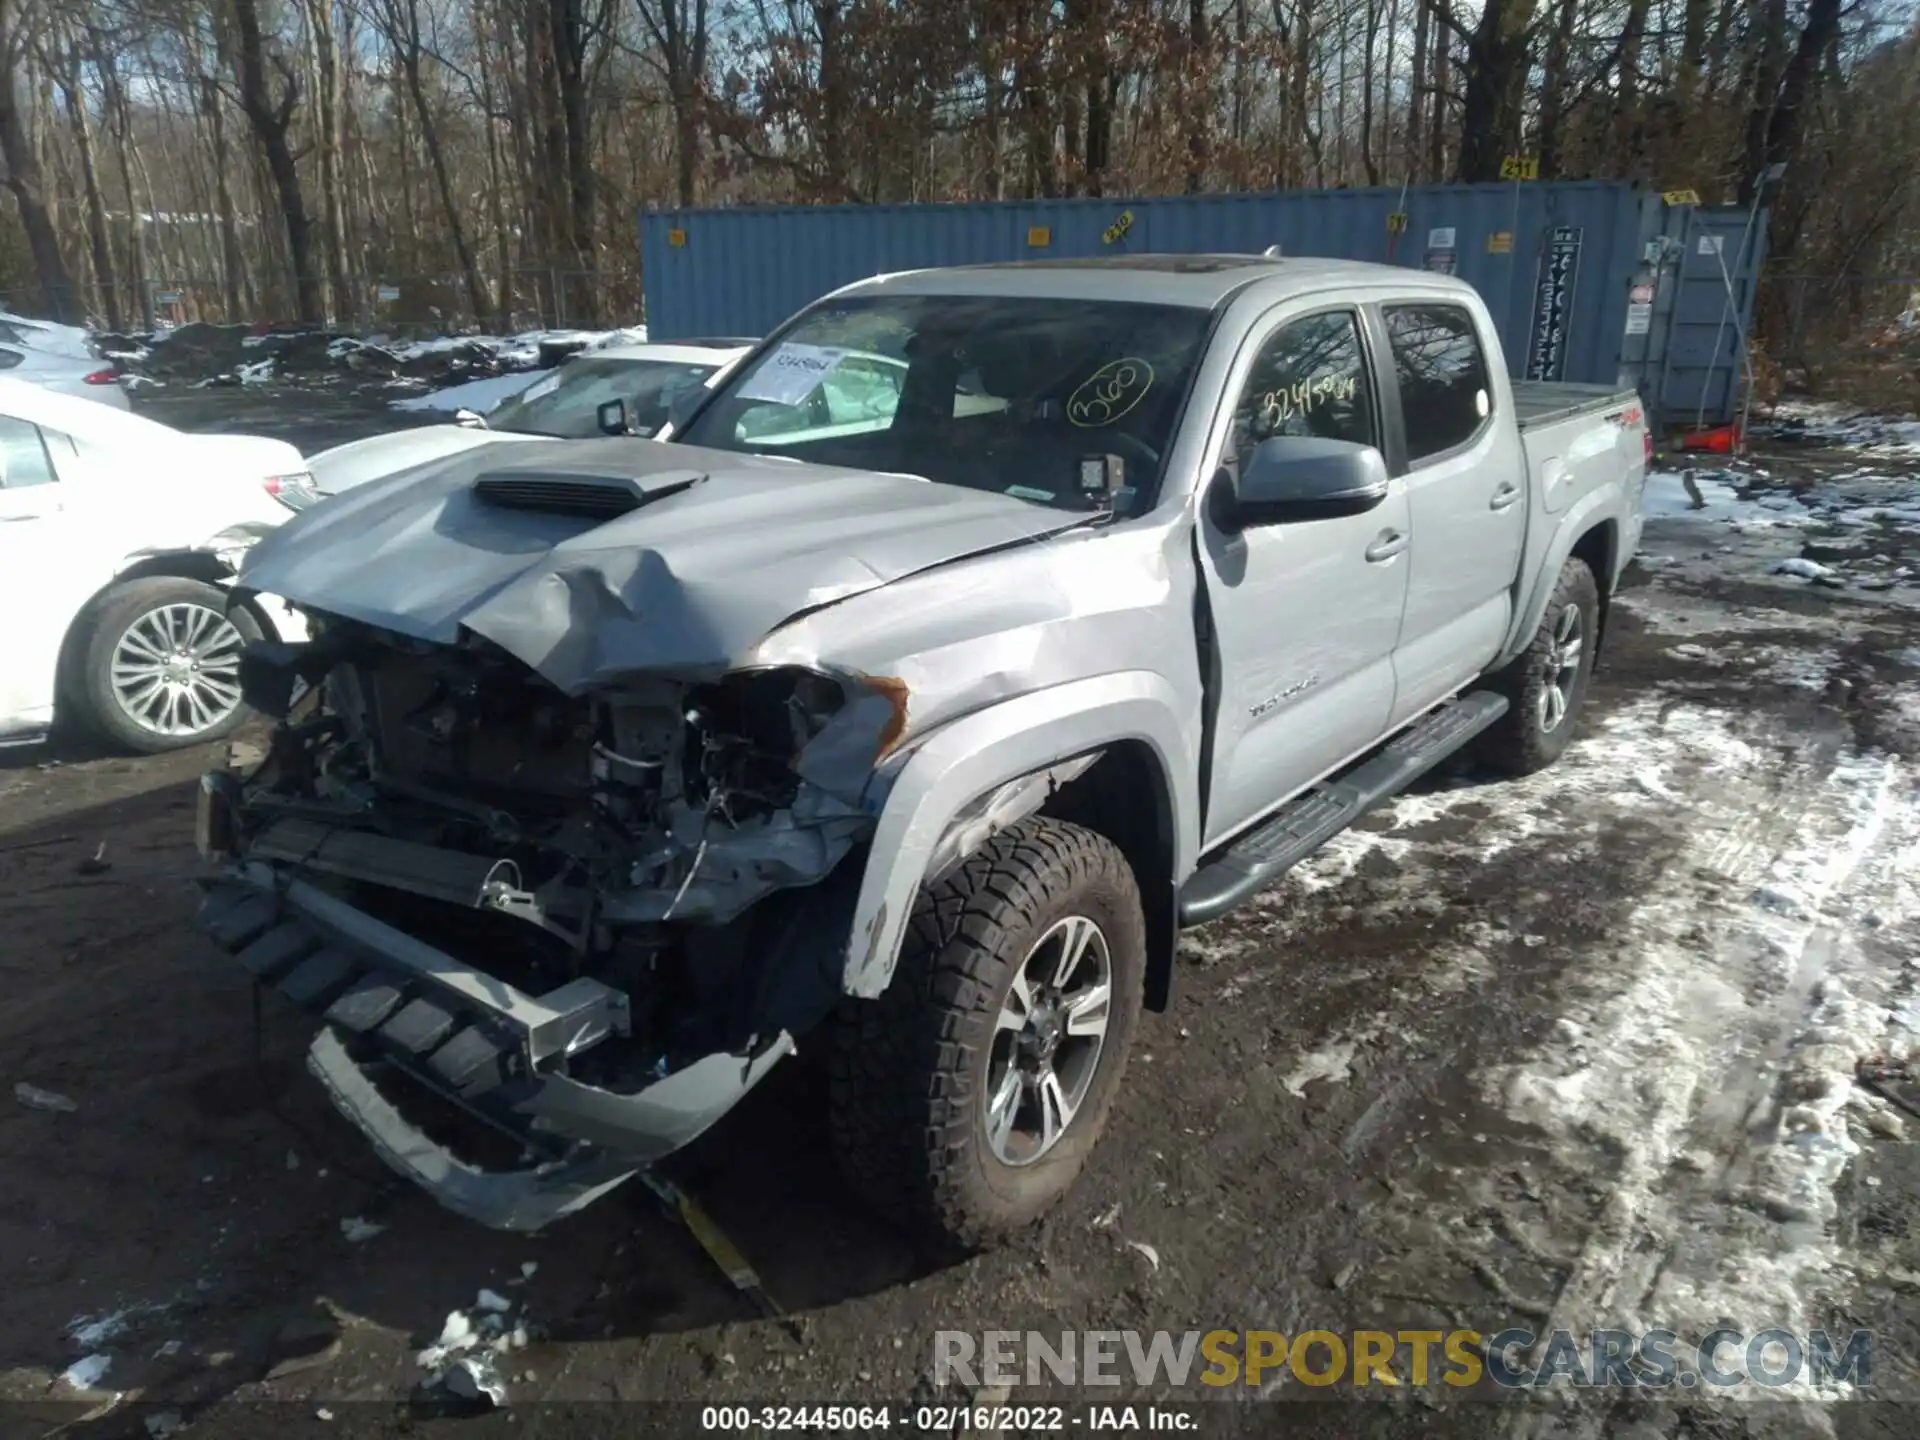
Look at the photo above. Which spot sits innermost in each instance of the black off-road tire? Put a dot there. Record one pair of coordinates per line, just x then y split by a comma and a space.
1520, 743
908, 1071
100, 636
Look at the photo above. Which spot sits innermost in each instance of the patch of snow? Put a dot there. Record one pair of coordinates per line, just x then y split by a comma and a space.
92, 1332
1667, 1061
1331, 1062
34, 1098
357, 1229
1806, 569
87, 1373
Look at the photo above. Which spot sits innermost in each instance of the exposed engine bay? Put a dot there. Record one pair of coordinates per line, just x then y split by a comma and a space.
597, 892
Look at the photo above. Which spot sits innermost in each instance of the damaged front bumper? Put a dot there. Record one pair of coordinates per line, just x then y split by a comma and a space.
392, 1003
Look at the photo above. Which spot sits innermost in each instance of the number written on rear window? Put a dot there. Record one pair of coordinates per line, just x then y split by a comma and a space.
1442, 374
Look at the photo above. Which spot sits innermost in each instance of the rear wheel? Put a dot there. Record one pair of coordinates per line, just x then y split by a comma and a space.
967, 1097
1547, 683
160, 664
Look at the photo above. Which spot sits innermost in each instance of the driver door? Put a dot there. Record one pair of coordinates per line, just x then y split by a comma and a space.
1305, 614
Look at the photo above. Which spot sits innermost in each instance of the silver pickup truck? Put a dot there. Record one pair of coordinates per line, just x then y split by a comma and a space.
616, 769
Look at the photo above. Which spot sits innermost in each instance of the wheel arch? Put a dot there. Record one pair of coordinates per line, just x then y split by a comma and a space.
202, 565
1591, 533
1070, 752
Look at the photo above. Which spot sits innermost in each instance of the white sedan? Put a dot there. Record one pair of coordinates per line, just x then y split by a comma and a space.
573, 402
119, 541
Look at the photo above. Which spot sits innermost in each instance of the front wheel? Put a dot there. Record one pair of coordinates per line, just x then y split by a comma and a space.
1547, 683
967, 1097
160, 668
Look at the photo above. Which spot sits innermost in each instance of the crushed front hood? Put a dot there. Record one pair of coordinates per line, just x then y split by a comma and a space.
691, 581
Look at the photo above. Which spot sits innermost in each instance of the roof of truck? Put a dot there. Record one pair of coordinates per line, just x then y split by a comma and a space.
1202, 281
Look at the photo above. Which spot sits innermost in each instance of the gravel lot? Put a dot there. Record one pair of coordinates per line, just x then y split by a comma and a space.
1574, 1051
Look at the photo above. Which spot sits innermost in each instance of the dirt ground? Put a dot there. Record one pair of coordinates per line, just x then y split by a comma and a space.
1573, 1051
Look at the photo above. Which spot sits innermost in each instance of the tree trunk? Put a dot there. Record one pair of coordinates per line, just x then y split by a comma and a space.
233, 265
1497, 64
329, 95
99, 238
1417, 94
24, 177
271, 117
1199, 95
1553, 88
403, 32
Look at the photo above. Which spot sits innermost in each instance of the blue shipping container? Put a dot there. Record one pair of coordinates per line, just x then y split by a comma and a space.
1565, 267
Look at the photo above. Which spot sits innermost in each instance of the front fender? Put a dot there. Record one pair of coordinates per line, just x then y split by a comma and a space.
1595, 508
962, 761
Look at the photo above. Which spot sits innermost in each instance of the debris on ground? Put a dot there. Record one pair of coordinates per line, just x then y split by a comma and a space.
1153, 1255
463, 1361
165, 1423
96, 863
357, 1228
34, 1098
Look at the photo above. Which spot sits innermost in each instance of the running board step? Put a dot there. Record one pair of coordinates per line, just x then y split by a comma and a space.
1301, 827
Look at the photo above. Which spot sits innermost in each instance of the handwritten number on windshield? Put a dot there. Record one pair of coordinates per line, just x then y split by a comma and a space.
1110, 392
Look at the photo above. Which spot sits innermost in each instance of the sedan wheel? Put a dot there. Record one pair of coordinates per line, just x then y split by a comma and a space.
161, 664
176, 670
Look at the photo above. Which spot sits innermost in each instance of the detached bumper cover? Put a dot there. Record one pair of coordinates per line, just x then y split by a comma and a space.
484, 1044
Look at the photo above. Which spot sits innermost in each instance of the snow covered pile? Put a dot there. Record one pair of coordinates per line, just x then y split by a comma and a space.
1881, 436
201, 355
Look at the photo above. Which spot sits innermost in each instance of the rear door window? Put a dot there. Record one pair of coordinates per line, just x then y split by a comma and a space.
1442, 374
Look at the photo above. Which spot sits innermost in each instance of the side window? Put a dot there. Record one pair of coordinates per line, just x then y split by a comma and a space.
1310, 379
23, 456
1442, 373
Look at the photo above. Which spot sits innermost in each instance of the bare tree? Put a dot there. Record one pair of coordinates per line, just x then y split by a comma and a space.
269, 109
20, 21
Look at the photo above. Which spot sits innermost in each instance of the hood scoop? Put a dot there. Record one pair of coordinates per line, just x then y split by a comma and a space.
596, 497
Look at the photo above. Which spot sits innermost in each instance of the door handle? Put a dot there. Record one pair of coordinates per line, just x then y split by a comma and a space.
1386, 545
1505, 495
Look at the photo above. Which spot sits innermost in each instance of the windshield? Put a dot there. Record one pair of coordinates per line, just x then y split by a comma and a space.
566, 404
1063, 402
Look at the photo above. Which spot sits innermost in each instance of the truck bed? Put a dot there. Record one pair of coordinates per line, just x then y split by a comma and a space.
1541, 402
